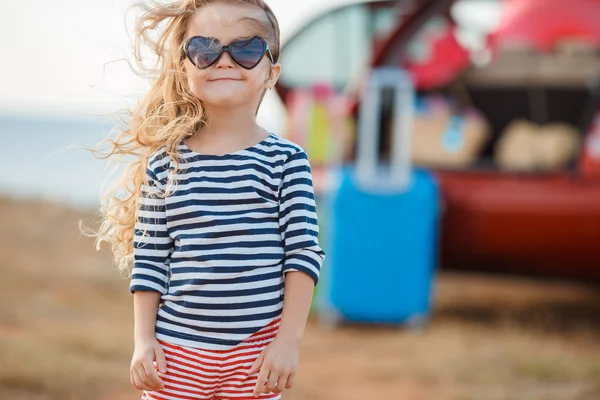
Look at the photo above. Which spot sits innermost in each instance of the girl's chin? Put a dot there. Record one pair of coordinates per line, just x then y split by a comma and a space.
234, 98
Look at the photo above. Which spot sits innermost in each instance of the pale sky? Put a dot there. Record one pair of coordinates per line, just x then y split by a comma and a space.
54, 53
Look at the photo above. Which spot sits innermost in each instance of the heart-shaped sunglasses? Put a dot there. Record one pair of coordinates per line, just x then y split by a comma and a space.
204, 51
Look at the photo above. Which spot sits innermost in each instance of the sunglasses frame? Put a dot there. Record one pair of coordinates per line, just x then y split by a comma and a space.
226, 48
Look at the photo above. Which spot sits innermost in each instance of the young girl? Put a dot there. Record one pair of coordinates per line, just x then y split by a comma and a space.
220, 219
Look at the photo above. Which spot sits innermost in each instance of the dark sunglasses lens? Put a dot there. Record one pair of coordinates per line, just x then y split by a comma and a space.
248, 53
203, 51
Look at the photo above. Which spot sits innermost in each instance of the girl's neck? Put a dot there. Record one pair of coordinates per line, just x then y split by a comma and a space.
229, 121
228, 130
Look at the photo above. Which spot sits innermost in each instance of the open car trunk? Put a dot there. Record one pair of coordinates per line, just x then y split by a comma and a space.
544, 223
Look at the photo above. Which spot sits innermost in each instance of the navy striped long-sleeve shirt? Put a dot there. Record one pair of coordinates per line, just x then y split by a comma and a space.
218, 246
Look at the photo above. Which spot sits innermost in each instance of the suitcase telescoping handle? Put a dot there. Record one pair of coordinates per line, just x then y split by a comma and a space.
396, 176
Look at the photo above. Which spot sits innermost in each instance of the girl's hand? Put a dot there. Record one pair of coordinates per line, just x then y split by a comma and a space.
142, 373
278, 364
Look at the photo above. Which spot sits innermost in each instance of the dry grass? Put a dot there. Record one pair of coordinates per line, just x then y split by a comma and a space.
65, 331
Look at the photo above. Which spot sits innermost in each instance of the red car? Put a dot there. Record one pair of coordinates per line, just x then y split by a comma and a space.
534, 223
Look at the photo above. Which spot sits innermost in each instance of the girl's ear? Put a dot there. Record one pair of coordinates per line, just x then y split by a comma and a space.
273, 76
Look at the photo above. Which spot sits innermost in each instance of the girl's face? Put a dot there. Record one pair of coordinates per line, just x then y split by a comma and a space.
225, 83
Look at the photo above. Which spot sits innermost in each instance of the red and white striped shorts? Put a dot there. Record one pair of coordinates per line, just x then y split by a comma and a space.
213, 374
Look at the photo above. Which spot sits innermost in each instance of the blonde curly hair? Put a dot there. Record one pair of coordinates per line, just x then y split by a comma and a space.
167, 114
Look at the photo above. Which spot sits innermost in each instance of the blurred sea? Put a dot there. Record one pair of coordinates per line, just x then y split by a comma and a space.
40, 159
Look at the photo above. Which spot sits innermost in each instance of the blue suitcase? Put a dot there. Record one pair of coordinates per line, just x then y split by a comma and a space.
382, 223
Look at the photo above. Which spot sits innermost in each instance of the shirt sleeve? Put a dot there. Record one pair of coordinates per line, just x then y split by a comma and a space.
151, 249
298, 218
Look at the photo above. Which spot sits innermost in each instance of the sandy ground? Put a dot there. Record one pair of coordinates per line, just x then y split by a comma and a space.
66, 323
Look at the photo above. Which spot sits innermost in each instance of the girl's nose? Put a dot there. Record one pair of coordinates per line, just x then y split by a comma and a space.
225, 61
